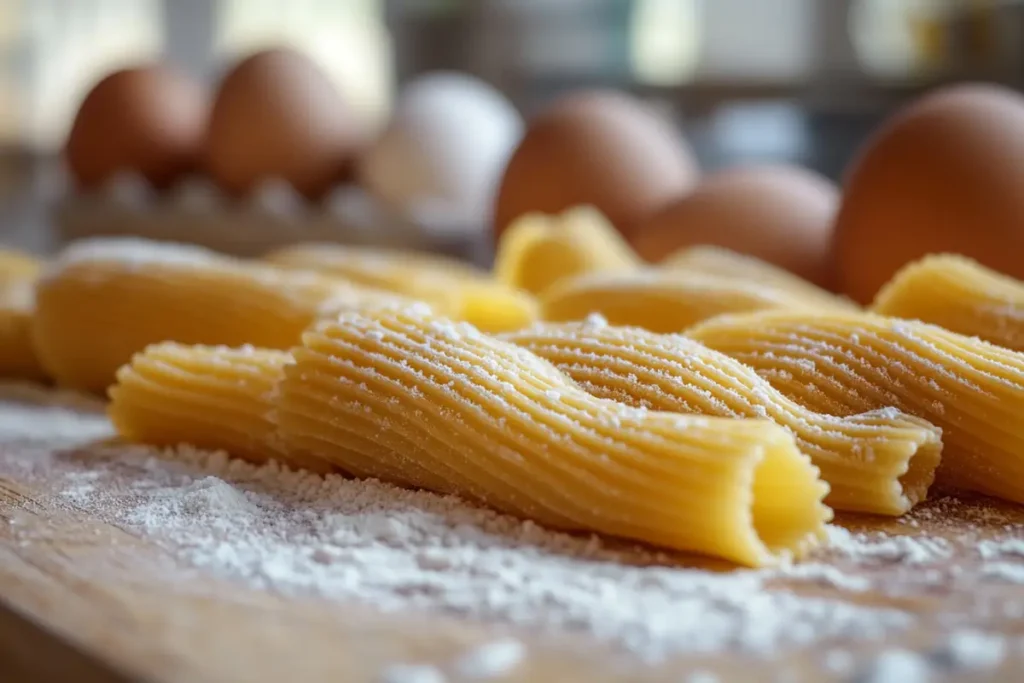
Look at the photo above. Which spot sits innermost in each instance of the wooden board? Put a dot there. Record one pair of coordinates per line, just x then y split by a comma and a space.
87, 601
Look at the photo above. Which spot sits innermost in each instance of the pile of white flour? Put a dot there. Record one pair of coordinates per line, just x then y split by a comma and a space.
365, 541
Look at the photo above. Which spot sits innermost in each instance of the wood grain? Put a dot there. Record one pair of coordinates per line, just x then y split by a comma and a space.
87, 601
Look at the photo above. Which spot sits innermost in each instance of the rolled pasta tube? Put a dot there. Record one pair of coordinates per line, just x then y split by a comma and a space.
537, 251
658, 301
106, 300
211, 397
880, 462
501, 426
450, 286
844, 364
721, 262
960, 295
389, 269
18, 359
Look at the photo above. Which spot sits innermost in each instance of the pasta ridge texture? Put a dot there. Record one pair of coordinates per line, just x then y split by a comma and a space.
851, 363
537, 251
212, 397
98, 306
960, 295
879, 462
659, 300
375, 392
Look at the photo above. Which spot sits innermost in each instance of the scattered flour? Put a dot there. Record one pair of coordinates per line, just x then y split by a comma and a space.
995, 550
897, 666
298, 533
970, 650
884, 549
491, 660
412, 673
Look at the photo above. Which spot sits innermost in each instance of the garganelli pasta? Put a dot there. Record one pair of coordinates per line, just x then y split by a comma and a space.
418, 399
721, 262
451, 286
880, 462
537, 250
389, 269
844, 364
960, 295
18, 273
211, 397
107, 299
658, 300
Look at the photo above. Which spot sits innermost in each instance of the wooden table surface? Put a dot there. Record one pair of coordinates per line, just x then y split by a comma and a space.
86, 601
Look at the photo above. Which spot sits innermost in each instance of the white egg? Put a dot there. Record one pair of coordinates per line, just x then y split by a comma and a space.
444, 150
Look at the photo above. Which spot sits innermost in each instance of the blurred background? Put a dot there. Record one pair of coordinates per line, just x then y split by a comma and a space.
800, 81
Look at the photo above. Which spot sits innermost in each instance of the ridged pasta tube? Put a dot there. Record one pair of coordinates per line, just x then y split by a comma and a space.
959, 294
721, 262
18, 273
536, 251
658, 300
844, 364
417, 399
450, 286
105, 300
389, 269
880, 462
211, 397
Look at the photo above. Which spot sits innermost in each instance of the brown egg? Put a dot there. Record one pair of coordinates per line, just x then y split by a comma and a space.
781, 214
944, 175
149, 119
598, 148
278, 116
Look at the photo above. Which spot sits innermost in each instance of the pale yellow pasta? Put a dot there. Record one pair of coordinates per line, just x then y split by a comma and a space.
850, 363
659, 301
493, 307
721, 262
879, 462
211, 397
419, 400
389, 269
538, 250
959, 294
451, 286
18, 273
107, 299
17, 265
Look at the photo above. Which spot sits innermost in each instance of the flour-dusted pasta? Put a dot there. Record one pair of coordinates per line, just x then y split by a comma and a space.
659, 300
959, 294
453, 287
211, 397
850, 363
880, 462
438, 403
538, 250
104, 300
721, 262
389, 269
18, 273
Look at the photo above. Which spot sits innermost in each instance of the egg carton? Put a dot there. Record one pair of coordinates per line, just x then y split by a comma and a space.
197, 212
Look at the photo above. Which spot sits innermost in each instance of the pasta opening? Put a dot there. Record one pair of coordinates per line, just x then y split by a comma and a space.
921, 465
786, 511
